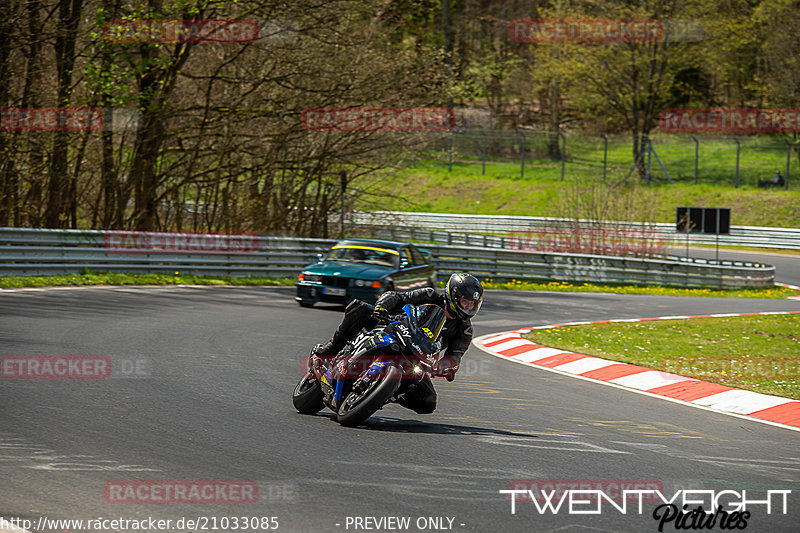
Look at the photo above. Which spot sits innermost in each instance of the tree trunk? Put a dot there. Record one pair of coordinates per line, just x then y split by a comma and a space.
58, 200
8, 182
149, 138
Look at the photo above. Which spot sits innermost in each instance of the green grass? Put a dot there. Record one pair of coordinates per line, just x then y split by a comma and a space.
759, 156
758, 353
111, 278
424, 183
431, 187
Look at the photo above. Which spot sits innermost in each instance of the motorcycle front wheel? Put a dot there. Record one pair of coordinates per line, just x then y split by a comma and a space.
358, 406
307, 396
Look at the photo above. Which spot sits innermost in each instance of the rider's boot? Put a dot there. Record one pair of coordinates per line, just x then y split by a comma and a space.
321, 353
333, 347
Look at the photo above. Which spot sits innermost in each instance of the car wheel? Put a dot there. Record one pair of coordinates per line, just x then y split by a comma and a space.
306, 303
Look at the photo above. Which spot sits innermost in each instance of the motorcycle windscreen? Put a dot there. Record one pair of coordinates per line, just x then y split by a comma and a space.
430, 321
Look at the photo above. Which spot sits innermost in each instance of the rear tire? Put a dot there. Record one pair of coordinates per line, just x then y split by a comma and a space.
357, 407
307, 396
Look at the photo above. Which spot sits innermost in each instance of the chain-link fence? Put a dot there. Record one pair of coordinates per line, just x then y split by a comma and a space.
733, 160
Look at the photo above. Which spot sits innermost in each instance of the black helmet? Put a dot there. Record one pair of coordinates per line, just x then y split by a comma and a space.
464, 295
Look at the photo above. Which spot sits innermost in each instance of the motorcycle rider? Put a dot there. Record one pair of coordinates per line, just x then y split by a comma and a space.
461, 300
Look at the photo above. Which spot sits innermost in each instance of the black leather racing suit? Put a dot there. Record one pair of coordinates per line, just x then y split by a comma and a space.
455, 337
456, 334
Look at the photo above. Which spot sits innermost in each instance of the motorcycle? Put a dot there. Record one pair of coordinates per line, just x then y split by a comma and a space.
378, 367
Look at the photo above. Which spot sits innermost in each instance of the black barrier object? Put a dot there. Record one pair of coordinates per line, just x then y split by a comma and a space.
709, 220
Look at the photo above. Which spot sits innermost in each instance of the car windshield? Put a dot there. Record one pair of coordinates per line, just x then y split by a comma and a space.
364, 254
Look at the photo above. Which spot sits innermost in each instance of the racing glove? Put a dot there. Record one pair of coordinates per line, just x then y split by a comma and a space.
448, 366
381, 315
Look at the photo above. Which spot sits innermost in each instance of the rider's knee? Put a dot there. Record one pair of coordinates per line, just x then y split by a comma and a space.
357, 315
356, 306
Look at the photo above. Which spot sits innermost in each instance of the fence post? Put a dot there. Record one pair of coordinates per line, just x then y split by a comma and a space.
343, 178
605, 155
788, 163
483, 136
696, 156
450, 157
563, 153
736, 183
649, 144
522, 155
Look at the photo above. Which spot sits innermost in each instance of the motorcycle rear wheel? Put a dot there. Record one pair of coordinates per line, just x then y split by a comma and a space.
359, 406
307, 396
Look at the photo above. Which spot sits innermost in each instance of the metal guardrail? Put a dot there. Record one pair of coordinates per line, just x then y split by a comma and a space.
28, 252
43, 252
504, 265
760, 237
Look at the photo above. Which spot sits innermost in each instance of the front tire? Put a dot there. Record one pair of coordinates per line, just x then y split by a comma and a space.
359, 406
307, 396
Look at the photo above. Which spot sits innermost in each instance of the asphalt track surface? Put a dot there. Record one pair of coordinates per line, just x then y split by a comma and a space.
211, 401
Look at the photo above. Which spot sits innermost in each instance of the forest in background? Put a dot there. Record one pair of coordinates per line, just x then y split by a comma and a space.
218, 144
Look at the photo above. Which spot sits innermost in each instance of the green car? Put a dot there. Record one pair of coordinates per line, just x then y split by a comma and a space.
364, 269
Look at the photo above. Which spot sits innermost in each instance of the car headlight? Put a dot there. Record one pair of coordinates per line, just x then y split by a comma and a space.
375, 284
